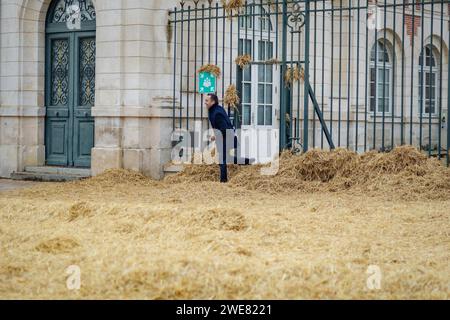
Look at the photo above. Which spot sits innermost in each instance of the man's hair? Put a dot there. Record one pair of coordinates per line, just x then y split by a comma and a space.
214, 97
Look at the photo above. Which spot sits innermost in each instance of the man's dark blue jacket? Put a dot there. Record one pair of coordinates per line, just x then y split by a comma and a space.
219, 118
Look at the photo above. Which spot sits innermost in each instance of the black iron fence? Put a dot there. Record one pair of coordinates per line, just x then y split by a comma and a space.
357, 74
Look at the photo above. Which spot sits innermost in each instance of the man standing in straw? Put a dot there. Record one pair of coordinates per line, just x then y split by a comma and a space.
221, 123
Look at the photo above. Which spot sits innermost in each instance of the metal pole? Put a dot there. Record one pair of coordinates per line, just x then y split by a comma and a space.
394, 76
402, 103
422, 75
357, 76
181, 65
411, 95
174, 69
384, 82
283, 89
306, 96
340, 75
315, 70
448, 113
323, 68
431, 87
440, 84
188, 65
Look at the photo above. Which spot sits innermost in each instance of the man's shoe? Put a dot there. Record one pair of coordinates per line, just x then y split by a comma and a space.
249, 161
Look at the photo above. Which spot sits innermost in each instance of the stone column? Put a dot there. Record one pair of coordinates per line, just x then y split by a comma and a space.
134, 80
22, 83
110, 50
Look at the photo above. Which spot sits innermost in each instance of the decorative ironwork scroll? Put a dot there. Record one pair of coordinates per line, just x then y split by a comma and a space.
62, 13
87, 72
296, 17
60, 72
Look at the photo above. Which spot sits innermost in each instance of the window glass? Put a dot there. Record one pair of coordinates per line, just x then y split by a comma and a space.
268, 115
380, 78
260, 115
427, 82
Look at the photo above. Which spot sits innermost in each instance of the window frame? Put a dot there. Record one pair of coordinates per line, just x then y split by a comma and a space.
423, 87
381, 66
255, 37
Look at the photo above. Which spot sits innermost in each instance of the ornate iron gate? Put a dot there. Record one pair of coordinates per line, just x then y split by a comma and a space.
357, 74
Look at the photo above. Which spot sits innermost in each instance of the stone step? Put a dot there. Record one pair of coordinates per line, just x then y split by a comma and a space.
59, 170
171, 169
47, 177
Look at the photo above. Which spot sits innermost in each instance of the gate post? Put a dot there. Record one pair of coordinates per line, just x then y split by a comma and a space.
306, 81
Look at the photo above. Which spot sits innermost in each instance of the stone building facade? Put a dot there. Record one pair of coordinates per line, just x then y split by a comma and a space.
132, 81
112, 106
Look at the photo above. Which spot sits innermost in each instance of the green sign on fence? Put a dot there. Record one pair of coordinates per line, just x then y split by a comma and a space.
207, 83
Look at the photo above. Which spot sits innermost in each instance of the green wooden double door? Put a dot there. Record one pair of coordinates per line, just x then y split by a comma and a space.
70, 96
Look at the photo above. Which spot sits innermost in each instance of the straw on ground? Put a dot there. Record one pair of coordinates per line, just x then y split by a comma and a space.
309, 232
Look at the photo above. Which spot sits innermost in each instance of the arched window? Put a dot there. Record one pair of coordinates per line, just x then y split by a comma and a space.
428, 77
380, 78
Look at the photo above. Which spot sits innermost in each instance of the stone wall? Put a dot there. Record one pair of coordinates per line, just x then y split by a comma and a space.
133, 81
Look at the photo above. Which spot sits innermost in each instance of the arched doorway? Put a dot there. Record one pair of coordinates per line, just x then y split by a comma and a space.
70, 82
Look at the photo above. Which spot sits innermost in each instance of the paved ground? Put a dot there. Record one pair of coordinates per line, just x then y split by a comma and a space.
7, 184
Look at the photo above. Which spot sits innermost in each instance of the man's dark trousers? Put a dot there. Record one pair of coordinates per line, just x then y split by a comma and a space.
223, 150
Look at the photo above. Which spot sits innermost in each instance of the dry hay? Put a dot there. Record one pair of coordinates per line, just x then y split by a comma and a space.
273, 61
112, 177
231, 6
293, 74
200, 173
189, 237
231, 98
205, 240
211, 68
288, 118
404, 172
221, 219
57, 245
12, 270
112, 181
243, 61
79, 209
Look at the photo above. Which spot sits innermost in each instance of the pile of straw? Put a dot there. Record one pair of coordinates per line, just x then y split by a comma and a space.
190, 237
211, 68
402, 173
243, 61
200, 173
112, 177
231, 98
